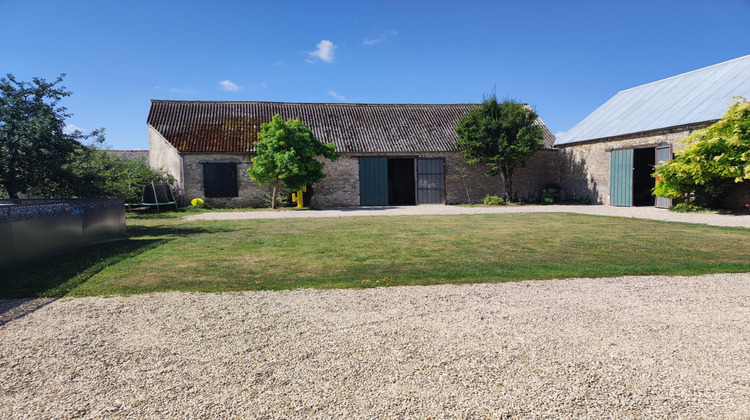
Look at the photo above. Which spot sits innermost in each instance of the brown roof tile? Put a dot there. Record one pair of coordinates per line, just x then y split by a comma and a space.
206, 126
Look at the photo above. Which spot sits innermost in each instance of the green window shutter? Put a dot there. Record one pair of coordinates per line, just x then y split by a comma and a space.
373, 181
220, 179
621, 178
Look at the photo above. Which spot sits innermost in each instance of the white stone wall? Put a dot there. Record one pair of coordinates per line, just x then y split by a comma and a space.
164, 156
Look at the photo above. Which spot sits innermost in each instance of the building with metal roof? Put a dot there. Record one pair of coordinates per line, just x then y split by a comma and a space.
392, 153
611, 153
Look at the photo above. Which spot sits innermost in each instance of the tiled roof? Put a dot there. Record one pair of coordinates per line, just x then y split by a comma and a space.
699, 96
232, 127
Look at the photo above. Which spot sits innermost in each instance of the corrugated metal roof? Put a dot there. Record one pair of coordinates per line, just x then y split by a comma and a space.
205, 126
696, 97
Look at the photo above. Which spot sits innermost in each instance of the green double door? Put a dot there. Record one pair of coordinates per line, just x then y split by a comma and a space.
377, 183
622, 171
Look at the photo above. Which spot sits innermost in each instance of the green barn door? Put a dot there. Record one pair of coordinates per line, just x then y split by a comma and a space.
621, 178
373, 181
663, 154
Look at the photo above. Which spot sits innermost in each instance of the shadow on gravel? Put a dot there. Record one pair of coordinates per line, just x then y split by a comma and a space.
13, 309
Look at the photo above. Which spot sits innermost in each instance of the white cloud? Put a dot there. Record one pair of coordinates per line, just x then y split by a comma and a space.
382, 37
324, 51
336, 96
229, 86
560, 134
176, 90
279, 64
72, 128
263, 85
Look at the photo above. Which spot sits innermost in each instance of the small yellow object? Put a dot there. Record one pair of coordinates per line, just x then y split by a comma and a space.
298, 198
197, 202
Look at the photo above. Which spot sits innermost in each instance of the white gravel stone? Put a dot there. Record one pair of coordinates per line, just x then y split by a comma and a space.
653, 213
624, 348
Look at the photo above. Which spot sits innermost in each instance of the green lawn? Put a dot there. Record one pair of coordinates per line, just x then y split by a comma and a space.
166, 253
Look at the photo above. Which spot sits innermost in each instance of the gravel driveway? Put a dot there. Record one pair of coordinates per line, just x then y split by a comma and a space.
624, 348
638, 212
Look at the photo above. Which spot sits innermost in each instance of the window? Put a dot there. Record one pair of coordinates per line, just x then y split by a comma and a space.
220, 179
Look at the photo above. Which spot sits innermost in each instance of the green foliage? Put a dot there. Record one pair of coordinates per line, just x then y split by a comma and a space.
712, 159
686, 207
33, 145
282, 200
286, 156
95, 173
499, 135
493, 200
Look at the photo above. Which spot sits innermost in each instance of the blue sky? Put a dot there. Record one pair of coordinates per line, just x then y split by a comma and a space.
563, 57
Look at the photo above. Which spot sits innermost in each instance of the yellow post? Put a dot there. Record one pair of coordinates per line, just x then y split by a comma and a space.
298, 198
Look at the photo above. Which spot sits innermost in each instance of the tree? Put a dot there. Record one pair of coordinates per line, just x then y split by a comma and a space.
96, 173
713, 159
286, 155
500, 135
34, 148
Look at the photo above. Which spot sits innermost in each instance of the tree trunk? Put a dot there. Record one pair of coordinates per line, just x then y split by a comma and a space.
273, 195
508, 181
12, 192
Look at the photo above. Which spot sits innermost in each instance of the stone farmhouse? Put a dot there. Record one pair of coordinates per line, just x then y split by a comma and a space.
391, 154
610, 155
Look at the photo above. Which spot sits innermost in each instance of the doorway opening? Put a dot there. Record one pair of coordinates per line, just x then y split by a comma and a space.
644, 161
401, 182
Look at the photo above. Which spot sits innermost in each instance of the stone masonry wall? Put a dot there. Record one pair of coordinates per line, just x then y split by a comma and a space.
468, 183
251, 194
340, 188
585, 167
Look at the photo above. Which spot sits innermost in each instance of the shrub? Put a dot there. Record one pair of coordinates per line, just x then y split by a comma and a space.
688, 207
282, 200
493, 200
713, 159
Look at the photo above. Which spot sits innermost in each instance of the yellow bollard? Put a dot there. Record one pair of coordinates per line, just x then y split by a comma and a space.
298, 198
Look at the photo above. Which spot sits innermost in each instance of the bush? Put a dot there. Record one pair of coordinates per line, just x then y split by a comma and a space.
493, 200
282, 200
712, 160
688, 207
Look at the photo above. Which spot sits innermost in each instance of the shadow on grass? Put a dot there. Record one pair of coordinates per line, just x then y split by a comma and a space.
57, 275
171, 232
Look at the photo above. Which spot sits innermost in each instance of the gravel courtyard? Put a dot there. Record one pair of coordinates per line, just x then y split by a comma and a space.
630, 347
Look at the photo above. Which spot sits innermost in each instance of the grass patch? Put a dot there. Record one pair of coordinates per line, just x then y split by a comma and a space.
166, 253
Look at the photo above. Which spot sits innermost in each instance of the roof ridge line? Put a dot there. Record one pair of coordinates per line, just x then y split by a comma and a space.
310, 103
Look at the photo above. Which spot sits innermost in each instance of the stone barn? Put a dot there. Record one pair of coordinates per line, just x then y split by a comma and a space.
392, 154
610, 155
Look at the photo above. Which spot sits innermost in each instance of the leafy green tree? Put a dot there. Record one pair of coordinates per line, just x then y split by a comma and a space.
34, 148
713, 159
500, 135
286, 155
96, 173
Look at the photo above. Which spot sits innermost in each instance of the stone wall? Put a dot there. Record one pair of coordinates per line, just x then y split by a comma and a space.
585, 166
164, 156
340, 187
469, 184
129, 154
250, 193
